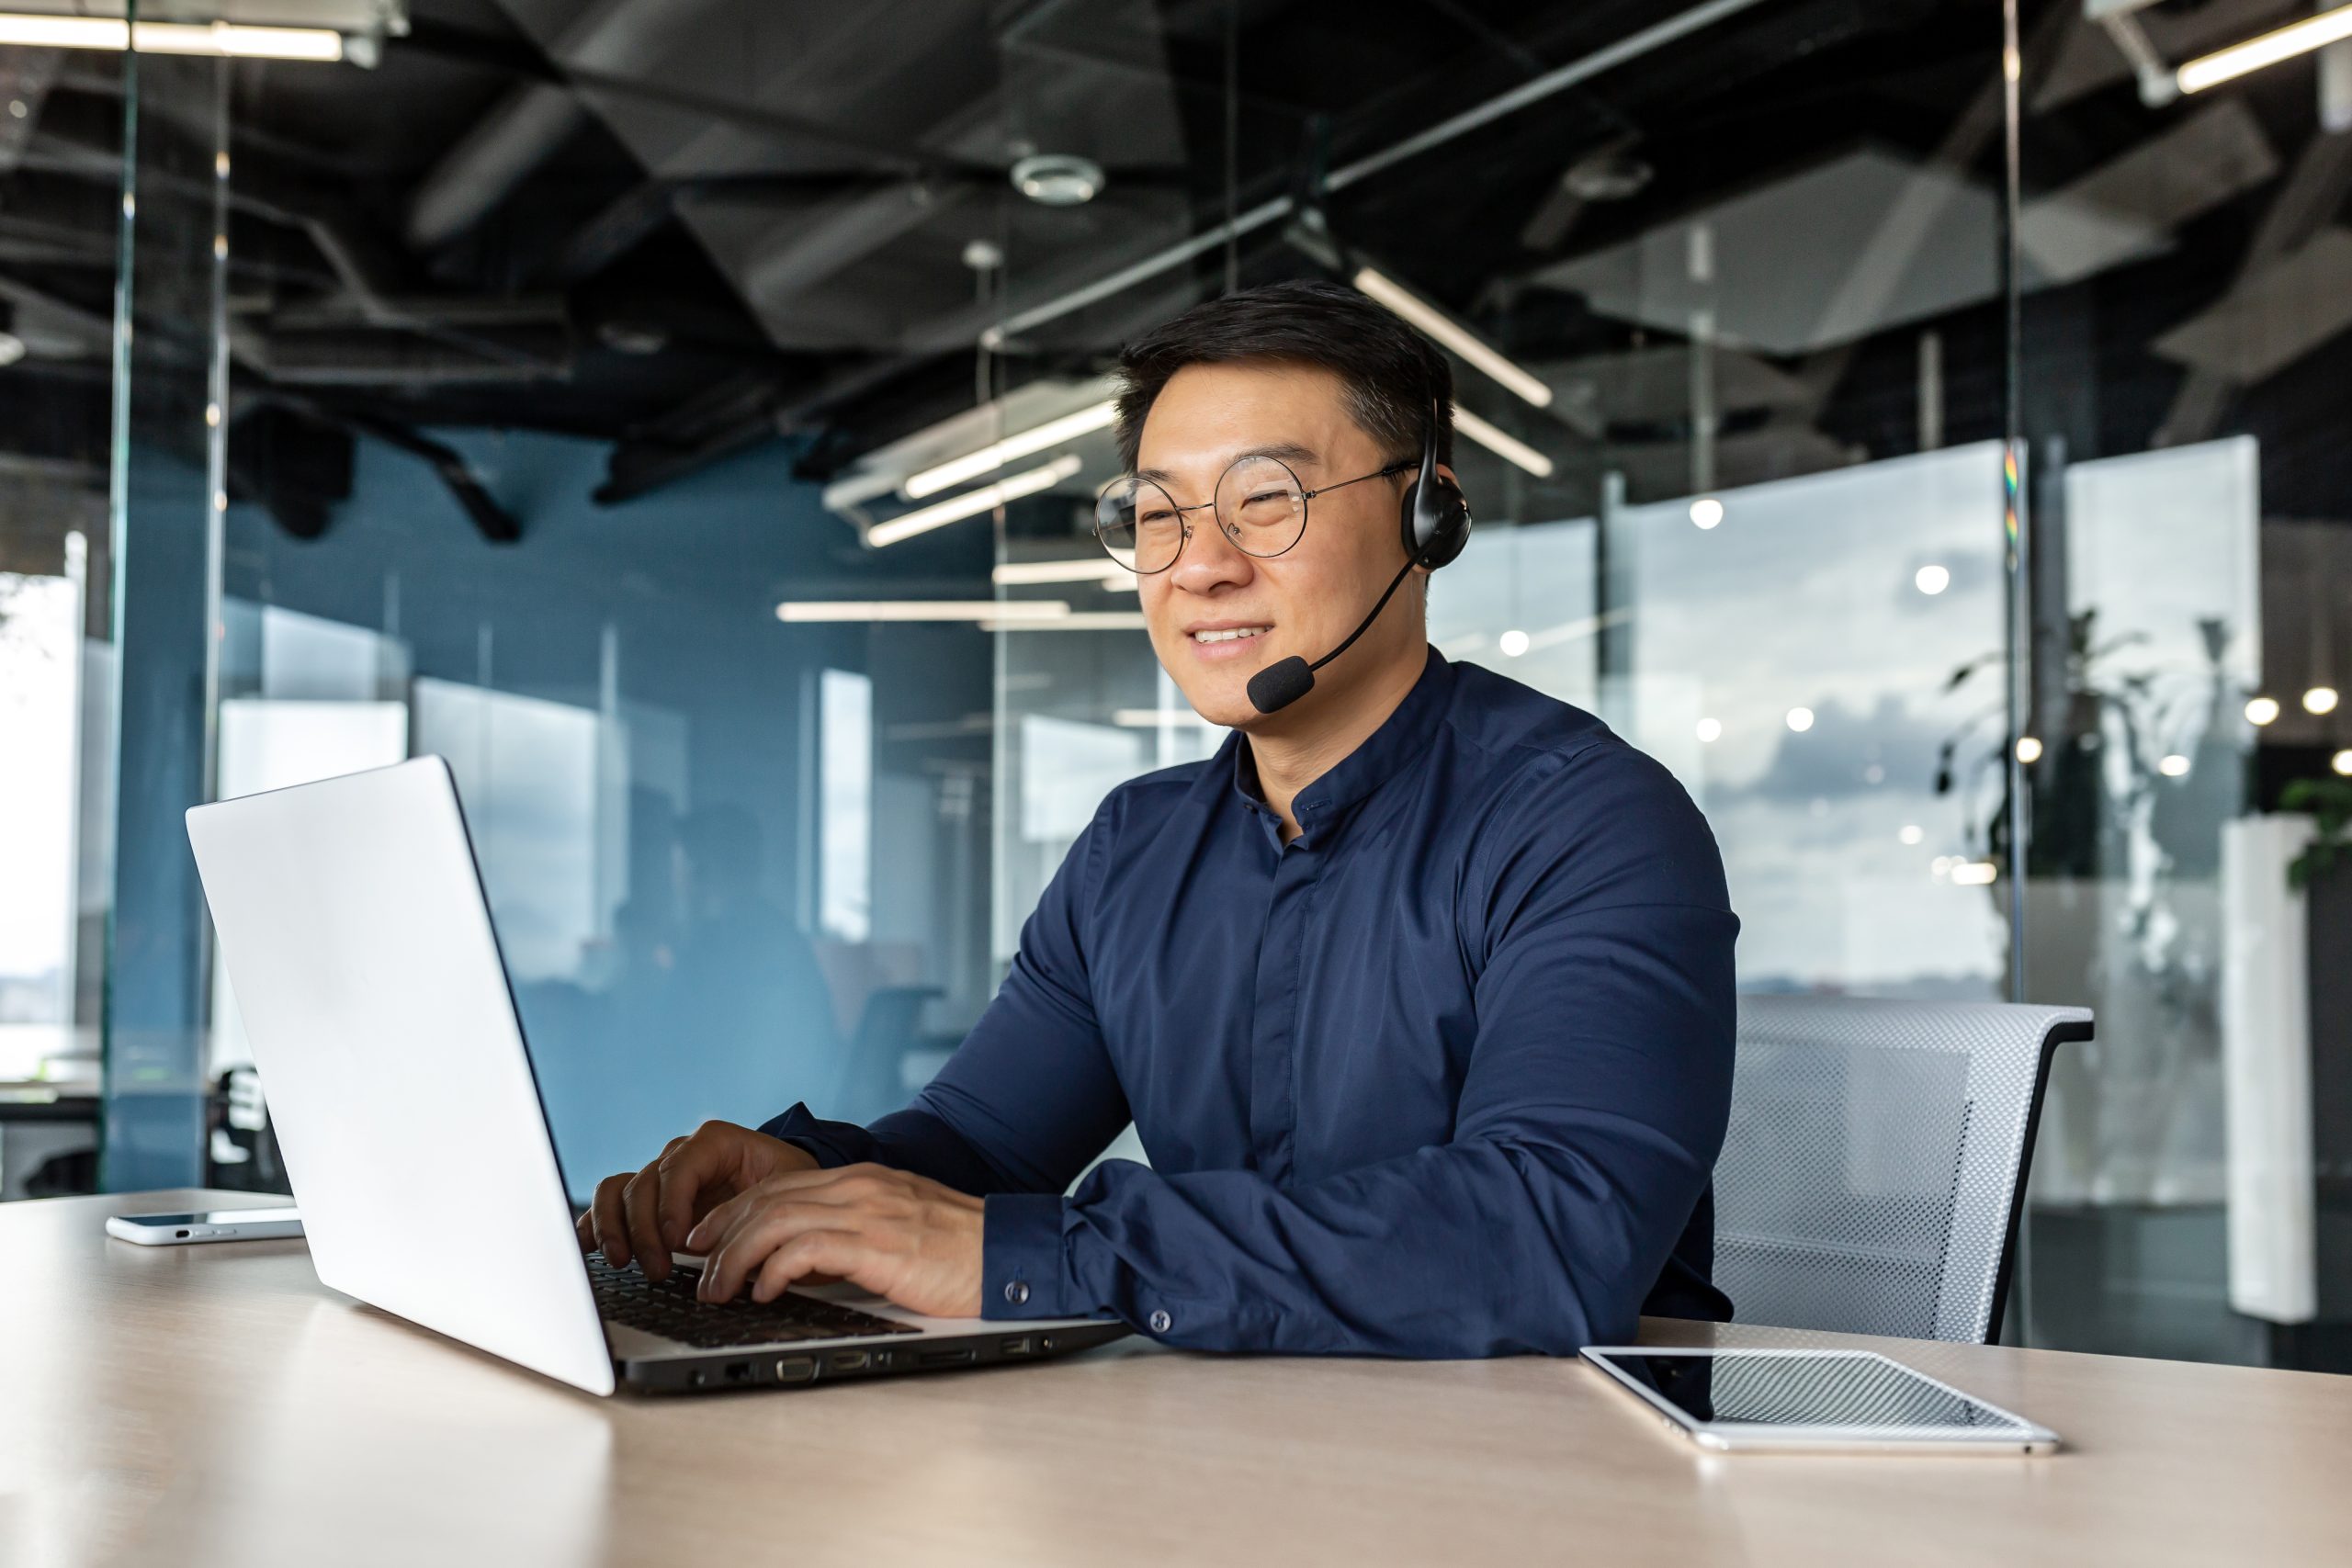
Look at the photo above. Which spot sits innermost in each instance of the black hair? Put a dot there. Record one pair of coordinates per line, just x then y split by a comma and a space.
1389, 375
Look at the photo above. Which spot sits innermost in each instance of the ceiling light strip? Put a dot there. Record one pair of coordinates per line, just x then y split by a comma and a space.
810, 610
2297, 37
997, 454
1455, 336
221, 40
1077, 621
1084, 568
1502, 444
985, 499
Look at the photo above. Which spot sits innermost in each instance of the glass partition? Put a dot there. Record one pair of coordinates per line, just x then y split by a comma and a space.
2183, 398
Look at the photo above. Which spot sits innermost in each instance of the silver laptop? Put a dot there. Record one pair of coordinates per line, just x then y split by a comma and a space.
354, 929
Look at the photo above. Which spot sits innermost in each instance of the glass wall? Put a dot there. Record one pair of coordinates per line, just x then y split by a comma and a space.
59, 212
687, 424
2185, 406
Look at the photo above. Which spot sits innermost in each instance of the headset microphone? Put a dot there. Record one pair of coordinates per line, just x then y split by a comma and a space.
1285, 681
1435, 522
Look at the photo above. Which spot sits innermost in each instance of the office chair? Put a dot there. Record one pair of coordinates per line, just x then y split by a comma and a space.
1873, 1172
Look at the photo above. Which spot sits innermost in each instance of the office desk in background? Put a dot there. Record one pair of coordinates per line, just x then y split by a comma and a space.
215, 1405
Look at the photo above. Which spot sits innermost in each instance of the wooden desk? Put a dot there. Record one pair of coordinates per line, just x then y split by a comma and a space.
215, 1405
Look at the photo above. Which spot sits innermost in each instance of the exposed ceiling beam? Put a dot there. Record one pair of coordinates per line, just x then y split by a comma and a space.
535, 119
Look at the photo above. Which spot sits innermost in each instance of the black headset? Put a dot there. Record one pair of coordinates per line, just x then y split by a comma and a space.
1434, 516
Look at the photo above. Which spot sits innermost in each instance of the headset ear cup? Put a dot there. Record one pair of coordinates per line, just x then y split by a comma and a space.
1439, 537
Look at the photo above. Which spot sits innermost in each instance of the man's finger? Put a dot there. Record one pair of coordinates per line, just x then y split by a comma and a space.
812, 1256
712, 1228
687, 1166
799, 1180
756, 1232
637, 1200
611, 1228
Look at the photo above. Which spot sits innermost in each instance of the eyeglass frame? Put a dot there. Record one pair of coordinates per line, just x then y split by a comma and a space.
1306, 511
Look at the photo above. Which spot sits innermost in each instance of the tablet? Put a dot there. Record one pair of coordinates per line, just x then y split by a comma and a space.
1813, 1401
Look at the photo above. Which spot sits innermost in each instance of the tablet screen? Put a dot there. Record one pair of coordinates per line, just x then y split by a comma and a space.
1753, 1388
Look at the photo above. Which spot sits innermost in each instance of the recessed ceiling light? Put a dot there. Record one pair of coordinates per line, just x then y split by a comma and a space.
1058, 179
12, 348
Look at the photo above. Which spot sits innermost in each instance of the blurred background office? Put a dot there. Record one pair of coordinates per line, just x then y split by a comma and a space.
1926, 427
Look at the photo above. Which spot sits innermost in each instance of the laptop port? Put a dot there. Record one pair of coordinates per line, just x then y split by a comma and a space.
1015, 1346
847, 1360
738, 1371
795, 1369
946, 1357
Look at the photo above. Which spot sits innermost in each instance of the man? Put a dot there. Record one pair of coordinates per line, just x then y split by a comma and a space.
1419, 992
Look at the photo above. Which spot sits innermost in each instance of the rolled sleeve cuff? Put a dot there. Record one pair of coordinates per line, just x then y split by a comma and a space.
1022, 1274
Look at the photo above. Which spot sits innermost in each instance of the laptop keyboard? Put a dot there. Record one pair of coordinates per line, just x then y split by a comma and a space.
668, 1307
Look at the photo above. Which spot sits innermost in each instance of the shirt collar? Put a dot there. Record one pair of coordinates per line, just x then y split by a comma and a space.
1401, 738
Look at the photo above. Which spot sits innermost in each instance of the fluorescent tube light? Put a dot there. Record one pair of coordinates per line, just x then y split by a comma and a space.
2296, 38
1451, 334
997, 454
1077, 621
811, 610
985, 499
1085, 569
1152, 719
218, 39
1508, 447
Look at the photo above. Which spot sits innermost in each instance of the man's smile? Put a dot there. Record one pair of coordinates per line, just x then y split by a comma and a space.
1227, 639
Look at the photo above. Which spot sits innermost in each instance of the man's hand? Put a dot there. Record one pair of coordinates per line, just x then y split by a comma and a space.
899, 1235
646, 1216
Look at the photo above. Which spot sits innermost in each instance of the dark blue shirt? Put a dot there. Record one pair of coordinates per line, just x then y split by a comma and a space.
1446, 1075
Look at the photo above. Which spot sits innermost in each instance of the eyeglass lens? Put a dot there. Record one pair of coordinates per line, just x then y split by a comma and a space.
1259, 504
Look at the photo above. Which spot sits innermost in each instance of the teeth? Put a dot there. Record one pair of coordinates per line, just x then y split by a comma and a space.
1230, 634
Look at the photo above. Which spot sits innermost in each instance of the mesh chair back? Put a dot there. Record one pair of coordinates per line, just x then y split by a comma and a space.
1873, 1169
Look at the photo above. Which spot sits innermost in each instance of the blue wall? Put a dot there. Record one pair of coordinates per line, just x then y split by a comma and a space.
712, 1006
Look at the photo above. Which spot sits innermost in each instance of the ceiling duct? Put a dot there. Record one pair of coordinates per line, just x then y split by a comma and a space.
531, 123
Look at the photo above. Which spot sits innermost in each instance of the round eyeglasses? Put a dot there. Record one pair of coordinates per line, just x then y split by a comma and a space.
1259, 504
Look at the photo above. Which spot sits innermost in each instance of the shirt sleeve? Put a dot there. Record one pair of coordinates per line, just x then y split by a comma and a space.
1591, 1114
1030, 1096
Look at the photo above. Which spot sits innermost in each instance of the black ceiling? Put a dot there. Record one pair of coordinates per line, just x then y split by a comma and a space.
686, 226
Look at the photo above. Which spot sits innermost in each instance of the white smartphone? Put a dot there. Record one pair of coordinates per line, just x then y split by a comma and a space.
210, 1224
1819, 1401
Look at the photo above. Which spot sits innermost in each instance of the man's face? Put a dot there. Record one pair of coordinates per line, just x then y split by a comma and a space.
1307, 599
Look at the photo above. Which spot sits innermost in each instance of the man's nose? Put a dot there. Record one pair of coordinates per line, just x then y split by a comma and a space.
1209, 559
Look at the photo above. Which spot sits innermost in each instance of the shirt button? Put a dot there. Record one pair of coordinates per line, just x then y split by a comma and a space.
1016, 1290
1159, 1322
